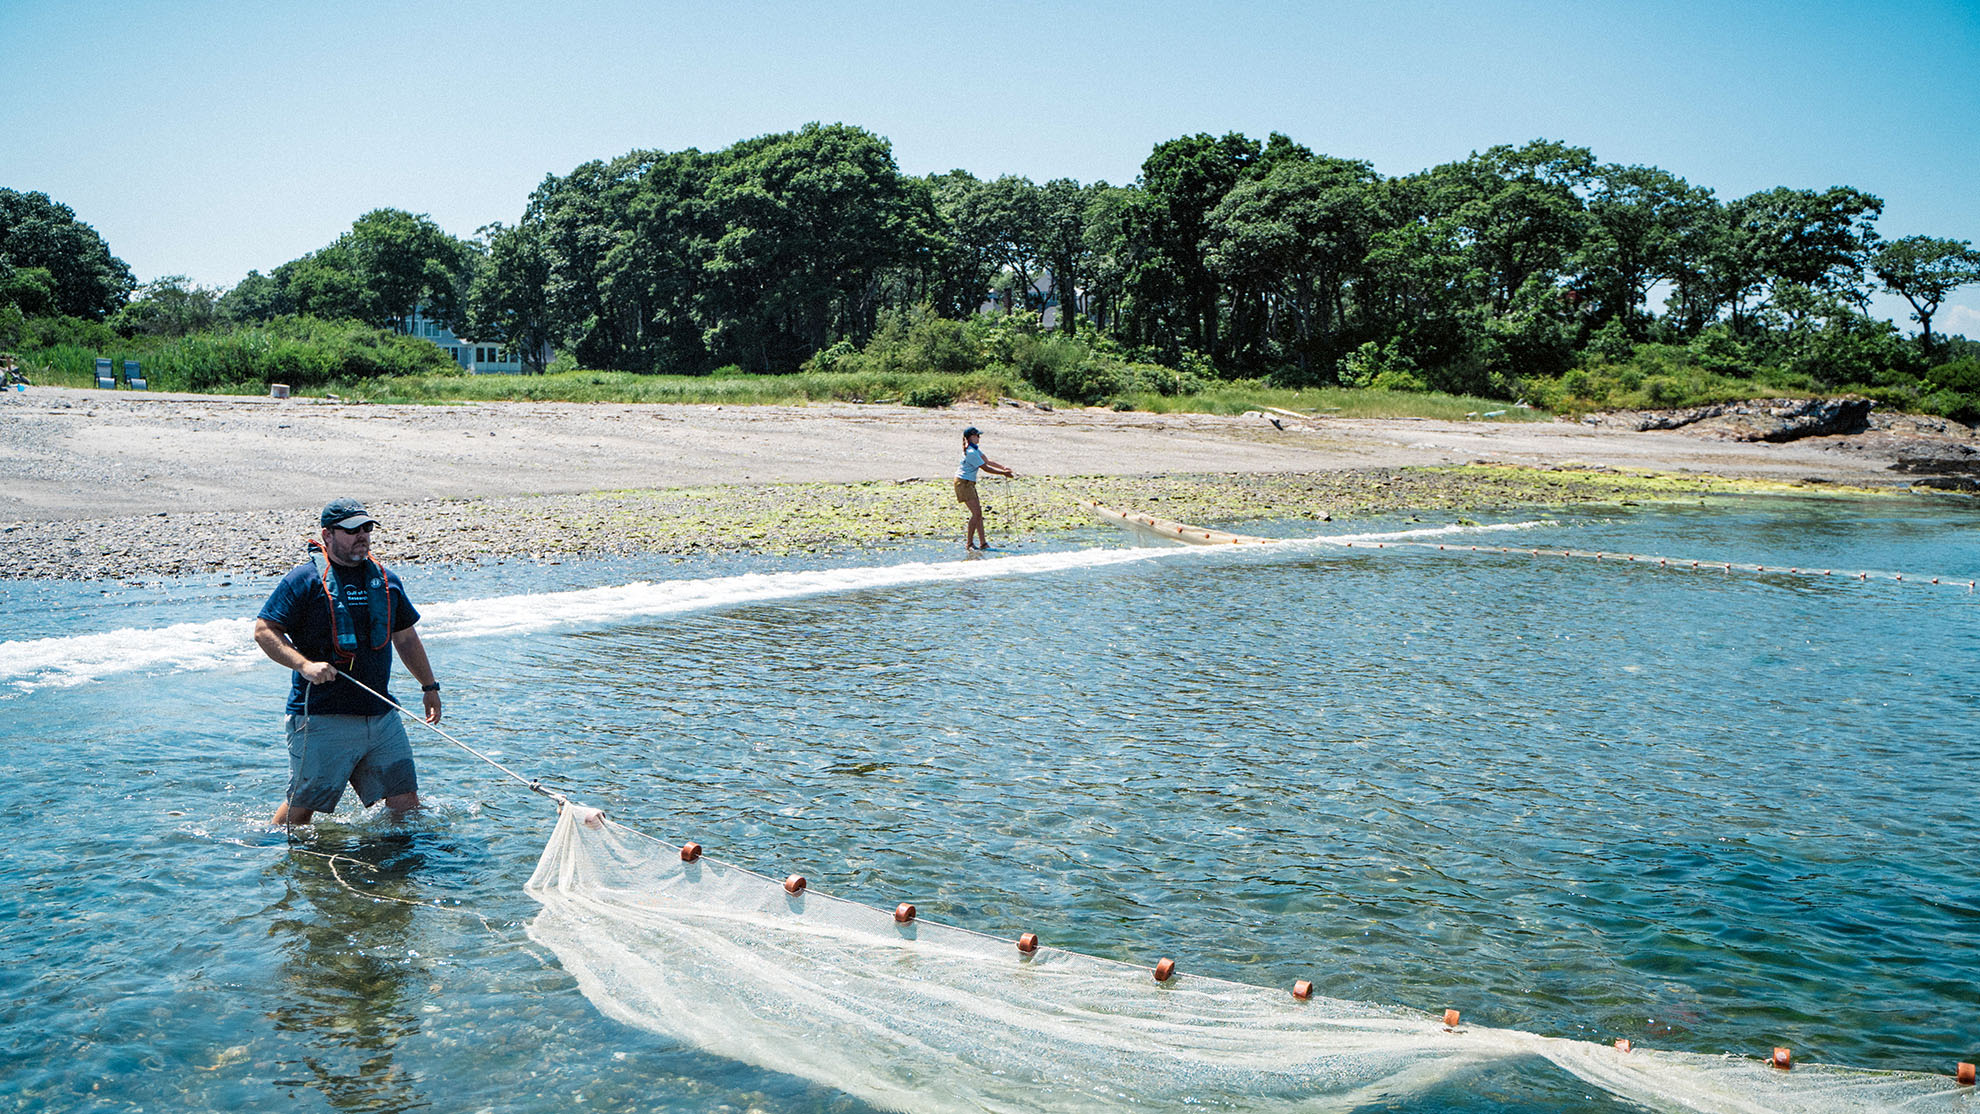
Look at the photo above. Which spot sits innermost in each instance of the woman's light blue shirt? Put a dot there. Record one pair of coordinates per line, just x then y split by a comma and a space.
971, 461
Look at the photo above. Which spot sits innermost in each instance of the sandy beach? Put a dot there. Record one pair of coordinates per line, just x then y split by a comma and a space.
126, 485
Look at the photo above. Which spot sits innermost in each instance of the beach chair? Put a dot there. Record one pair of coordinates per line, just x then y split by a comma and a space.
133, 378
106, 376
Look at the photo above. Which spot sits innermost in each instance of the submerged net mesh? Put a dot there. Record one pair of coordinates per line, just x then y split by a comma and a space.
926, 1017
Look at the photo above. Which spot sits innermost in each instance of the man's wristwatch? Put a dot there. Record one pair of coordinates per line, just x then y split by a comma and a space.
434, 687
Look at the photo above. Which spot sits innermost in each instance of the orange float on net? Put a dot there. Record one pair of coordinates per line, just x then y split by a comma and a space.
794, 884
1782, 1059
1165, 969
1451, 1018
1028, 943
903, 913
1302, 990
690, 852
1964, 1073
1623, 1046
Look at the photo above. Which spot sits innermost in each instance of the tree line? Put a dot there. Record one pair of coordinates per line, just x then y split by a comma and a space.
1228, 256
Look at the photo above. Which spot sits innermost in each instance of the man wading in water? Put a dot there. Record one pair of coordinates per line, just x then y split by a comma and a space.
342, 611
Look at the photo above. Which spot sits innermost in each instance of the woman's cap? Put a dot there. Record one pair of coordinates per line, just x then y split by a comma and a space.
972, 431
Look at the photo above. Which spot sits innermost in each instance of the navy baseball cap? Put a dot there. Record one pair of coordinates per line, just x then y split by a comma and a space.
972, 431
347, 513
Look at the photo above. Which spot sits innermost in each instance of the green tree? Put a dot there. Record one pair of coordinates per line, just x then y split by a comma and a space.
1520, 210
811, 222
1706, 270
577, 222
37, 232
1638, 221
506, 301
257, 297
1065, 211
652, 278
1291, 241
1003, 218
29, 290
1110, 257
406, 262
389, 264
325, 284
1182, 182
1820, 240
1424, 288
963, 265
172, 306
1923, 271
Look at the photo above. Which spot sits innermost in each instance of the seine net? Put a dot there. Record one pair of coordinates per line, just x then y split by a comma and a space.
918, 1016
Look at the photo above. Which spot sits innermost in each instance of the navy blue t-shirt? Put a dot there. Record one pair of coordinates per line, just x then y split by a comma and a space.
298, 605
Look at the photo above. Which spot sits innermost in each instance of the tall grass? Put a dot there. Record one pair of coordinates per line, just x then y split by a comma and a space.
930, 388
301, 351
911, 388
1339, 402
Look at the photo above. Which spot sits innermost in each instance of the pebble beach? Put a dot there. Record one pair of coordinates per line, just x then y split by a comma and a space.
124, 486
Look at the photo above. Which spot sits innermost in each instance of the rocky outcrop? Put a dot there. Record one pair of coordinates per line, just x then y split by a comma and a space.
1766, 419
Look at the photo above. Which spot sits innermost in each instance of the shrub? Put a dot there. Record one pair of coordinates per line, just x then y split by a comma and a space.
929, 394
1951, 404
301, 351
1962, 375
1396, 379
1717, 350
1368, 363
836, 357
911, 340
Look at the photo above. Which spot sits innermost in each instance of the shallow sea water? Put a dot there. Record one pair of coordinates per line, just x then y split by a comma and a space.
1703, 811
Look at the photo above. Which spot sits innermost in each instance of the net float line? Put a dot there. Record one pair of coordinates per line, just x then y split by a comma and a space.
1169, 529
1684, 563
1165, 972
1188, 533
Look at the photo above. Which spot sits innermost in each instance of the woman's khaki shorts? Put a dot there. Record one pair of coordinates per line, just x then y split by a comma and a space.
966, 492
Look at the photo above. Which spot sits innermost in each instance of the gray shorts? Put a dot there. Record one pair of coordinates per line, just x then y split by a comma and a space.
371, 753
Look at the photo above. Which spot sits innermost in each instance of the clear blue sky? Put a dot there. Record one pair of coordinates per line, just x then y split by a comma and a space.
211, 137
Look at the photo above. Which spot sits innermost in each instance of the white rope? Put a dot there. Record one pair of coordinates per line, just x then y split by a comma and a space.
531, 784
1670, 562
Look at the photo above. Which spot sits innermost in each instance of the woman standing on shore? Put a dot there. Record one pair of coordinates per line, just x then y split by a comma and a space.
972, 460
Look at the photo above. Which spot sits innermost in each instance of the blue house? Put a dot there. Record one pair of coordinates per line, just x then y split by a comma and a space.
478, 358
